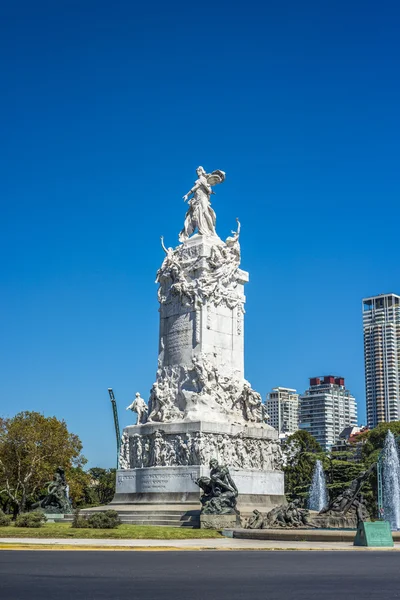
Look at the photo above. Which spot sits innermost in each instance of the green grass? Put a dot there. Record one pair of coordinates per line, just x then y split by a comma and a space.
123, 532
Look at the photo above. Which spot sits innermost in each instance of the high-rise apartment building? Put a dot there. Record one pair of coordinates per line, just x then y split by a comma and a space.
381, 324
282, 405
326, 408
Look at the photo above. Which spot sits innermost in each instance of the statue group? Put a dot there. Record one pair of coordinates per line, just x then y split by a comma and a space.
345, 511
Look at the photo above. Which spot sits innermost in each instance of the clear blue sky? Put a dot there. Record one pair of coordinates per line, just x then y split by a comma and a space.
107, 108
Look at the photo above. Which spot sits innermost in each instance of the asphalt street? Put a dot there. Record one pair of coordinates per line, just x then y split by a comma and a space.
88, 575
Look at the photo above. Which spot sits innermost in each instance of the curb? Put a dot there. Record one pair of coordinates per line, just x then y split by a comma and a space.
81, 548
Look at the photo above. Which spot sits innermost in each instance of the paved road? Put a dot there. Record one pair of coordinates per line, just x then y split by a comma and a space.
88, 575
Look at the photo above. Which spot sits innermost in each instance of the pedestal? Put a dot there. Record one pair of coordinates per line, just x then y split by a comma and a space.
163, 461
219, 521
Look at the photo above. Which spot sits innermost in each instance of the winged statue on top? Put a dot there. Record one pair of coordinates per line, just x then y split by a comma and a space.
200, 214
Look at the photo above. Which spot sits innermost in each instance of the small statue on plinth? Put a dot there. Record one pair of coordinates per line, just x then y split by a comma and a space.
220, 492
139, 406
57, 500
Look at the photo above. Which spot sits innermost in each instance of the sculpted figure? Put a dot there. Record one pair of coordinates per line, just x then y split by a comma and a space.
220, 492
167, 453
139, 406
195, 449
256, 521
350, 500
251, 403
233, 241
157, 403
155, 457
182, 451
291, 515
170, 266
201, 372
200, 215
146, 453
57, 495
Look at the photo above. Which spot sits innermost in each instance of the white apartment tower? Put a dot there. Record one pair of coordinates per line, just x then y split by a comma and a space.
326, 408
381, 323
282, 405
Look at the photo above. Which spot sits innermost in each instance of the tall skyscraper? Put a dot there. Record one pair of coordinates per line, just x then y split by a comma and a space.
326, 408
283, 408
381, 323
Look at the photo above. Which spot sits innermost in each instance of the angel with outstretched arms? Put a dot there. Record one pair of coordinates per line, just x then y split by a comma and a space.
200, 214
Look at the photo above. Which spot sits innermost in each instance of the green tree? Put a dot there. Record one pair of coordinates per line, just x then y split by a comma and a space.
31, 448
103, 484
301, 450
374, 440
80, 487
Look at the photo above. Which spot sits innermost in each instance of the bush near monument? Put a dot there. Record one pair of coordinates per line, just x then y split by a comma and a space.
107, 519
4, 519
31, 519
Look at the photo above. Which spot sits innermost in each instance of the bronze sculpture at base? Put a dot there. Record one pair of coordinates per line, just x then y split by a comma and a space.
345, 512
57, 500
219, 491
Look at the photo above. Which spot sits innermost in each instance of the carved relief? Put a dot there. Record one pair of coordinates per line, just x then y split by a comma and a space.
216, 281
162, 450
124, 459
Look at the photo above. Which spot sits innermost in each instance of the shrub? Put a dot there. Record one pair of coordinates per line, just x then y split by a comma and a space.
30, 519
79, 522
104, 520
4, 519
107, 519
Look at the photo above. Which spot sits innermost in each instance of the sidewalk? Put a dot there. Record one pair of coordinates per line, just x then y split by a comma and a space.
193, 544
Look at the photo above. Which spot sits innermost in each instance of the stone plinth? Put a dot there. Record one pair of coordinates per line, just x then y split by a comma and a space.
219, 521
334, 522
168, 485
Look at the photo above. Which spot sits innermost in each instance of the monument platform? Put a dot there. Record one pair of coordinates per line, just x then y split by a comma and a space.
163, 461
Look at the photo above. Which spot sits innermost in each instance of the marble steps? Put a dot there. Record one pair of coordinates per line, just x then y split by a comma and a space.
190, 519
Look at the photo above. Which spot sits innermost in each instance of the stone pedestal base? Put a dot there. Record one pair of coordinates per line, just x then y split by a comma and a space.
334, 522
170, 485
219, 521
162, 461
54, 517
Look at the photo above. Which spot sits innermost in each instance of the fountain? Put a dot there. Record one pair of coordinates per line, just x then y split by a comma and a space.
318, 497
391, 481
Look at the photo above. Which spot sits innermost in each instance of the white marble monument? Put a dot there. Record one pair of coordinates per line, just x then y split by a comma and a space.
200, 406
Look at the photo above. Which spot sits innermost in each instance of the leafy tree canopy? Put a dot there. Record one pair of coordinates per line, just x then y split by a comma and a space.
32, 446
375, 439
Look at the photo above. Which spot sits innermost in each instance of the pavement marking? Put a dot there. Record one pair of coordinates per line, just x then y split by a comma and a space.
42, 547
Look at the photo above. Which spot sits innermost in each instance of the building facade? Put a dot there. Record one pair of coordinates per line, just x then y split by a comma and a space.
381, 324
326, 408
282, 406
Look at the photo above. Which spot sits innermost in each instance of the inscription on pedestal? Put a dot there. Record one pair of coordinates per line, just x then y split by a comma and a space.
179, 337
160, 480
